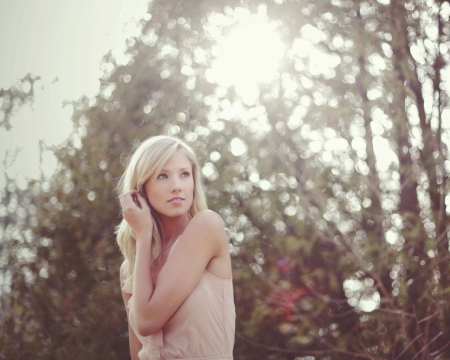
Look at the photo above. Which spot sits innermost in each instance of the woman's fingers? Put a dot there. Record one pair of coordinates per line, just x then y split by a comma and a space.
142, 200
125, 200
136, 200
132, 199
139, 195
127, 203
136, 212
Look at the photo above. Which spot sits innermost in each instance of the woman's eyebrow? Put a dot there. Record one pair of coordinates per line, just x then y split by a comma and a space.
182, 169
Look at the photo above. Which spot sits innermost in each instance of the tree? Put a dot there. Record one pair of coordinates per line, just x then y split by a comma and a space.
335, 204
16, 96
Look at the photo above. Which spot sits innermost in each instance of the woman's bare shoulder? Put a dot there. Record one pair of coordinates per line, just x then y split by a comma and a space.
207, 224
208, 221
210, 217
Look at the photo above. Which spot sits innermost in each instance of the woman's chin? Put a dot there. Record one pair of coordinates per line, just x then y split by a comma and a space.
174, 213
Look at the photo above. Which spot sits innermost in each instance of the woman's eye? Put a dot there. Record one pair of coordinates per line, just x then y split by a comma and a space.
186, 174
162, 176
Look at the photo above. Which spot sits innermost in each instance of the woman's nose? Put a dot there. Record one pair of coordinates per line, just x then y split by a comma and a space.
176, 184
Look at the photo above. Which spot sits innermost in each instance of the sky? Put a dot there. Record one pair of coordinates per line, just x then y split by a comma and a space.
63, 42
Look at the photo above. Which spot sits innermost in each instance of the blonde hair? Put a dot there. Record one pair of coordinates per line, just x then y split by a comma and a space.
145, 164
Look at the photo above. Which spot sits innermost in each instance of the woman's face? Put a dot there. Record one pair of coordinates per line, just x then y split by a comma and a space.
172, 192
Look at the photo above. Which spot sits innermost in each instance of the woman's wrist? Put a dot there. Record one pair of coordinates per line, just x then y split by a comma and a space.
144, 238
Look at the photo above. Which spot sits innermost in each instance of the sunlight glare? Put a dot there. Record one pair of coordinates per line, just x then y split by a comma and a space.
251, 55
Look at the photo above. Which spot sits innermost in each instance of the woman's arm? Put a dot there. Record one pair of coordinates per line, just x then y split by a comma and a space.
137, 213
202, 240
135, 344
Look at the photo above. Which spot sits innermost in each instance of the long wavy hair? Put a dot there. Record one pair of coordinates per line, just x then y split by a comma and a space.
144, 165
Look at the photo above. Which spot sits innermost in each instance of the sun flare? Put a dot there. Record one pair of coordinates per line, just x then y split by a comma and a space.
250, 55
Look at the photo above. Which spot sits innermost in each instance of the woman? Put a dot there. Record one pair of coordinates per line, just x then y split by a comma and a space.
176, 276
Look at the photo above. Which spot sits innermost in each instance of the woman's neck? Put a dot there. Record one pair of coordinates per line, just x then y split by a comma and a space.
172, 227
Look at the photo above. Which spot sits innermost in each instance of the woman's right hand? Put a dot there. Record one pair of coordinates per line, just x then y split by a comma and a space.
137, 213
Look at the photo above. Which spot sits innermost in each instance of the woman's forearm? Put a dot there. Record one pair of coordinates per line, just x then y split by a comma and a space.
143, 284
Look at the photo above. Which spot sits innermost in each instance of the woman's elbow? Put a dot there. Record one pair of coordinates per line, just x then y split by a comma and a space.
147, 328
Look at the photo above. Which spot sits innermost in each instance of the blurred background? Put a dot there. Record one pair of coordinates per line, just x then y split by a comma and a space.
323, 132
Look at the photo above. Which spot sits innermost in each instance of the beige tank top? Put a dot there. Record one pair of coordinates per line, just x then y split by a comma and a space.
202, 327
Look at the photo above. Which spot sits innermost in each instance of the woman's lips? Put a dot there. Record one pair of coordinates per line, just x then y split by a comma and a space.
176, 200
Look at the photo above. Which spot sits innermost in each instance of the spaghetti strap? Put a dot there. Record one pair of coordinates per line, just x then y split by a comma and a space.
173, 246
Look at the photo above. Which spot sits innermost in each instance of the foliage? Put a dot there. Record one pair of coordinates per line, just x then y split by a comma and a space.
16, 96
337, 252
